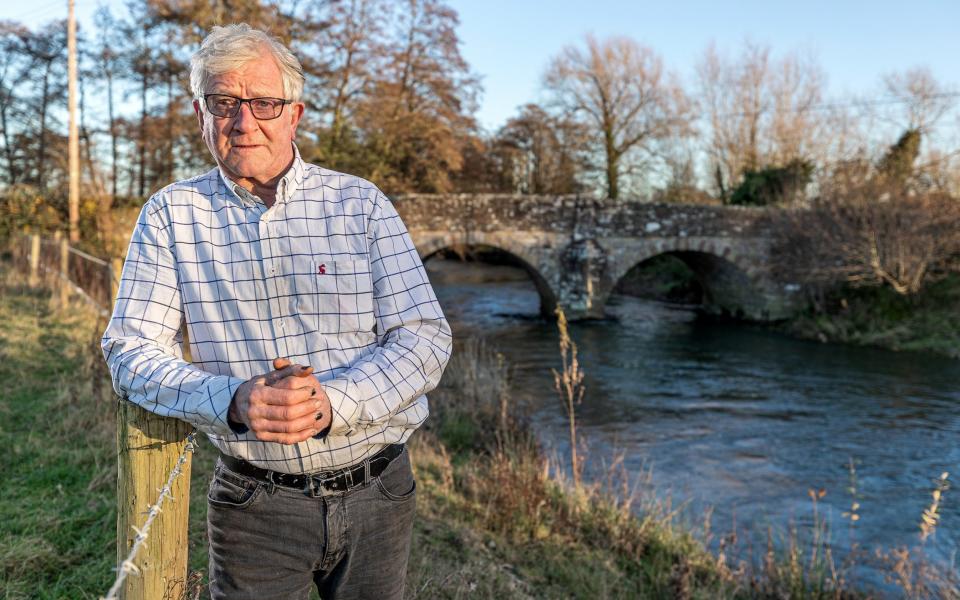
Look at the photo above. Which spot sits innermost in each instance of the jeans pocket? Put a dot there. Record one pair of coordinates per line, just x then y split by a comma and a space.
230, 491
396, 483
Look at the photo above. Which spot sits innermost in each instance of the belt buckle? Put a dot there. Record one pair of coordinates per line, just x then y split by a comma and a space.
313, 486
331, 482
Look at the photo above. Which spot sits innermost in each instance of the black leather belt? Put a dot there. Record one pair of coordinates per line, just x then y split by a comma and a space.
312, 483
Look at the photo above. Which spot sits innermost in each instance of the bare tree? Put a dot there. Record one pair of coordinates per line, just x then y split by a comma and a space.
619, 90
796, 126
734, 100
920, 100
761, 112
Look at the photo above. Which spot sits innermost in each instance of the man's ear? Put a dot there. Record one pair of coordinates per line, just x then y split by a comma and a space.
296, 110
199, 113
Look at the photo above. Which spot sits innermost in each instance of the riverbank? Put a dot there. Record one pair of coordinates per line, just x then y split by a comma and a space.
496, 518
929, 322
871, 316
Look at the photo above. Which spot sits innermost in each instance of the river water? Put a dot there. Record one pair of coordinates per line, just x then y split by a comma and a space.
735, 418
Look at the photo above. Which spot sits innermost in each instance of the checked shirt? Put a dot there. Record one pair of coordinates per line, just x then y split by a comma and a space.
327, 276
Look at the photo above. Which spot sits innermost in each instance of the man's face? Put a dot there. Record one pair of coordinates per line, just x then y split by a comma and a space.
252, 152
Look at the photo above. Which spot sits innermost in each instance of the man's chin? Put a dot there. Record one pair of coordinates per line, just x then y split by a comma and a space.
247, 169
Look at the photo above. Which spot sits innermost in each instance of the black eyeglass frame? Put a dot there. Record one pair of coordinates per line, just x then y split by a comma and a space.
240, 101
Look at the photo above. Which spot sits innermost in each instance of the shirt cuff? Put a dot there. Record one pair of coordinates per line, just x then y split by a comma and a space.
344, 403
220, 391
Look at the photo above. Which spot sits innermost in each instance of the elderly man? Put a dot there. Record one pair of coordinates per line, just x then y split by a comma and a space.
314, 334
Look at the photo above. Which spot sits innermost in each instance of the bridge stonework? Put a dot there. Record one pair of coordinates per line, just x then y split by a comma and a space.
577, 249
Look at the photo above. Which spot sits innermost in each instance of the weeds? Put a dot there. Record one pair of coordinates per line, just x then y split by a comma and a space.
569, 386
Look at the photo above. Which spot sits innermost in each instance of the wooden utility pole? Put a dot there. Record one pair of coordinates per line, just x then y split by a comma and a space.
74, 140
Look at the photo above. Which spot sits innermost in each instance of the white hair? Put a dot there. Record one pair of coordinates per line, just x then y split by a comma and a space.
231, 47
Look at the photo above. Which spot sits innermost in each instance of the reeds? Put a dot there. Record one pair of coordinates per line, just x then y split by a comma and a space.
568, 383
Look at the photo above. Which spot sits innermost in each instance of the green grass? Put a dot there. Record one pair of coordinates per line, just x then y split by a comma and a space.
57, 493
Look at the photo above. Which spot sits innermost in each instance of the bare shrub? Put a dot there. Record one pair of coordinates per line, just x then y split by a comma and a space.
871, 235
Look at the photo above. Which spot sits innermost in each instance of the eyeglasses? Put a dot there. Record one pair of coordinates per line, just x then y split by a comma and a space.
264, 109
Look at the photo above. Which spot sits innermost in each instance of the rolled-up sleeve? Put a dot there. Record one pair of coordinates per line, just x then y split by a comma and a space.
142, 342
415, 338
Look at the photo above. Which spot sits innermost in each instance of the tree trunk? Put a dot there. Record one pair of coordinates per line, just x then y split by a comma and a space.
7, 147
42, 149
113, 138
142, 142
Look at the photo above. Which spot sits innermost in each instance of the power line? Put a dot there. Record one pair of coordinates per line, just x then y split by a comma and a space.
849, 104
36, 10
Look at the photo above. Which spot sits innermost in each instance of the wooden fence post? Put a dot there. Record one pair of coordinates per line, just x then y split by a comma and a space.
116, 267
34, 260
64, 272
148, 448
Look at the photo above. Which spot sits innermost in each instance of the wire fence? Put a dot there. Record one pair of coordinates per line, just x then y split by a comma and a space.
55, 262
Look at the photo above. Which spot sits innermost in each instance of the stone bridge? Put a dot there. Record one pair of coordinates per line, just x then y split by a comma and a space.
577, 249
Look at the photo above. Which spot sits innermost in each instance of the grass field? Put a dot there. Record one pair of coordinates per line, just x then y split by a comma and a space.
495, 518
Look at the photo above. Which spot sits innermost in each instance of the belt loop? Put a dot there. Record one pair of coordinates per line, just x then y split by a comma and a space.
366, 471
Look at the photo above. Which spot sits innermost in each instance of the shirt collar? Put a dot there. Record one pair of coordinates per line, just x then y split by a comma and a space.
288, 184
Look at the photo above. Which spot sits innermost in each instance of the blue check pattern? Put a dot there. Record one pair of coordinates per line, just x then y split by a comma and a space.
327, 276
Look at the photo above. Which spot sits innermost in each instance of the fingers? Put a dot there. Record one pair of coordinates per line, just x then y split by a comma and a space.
273, 396
287, 405
292, 383
288, 371
290, 425
286, 412
287, 438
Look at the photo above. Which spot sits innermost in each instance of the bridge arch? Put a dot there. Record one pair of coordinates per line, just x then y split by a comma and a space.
519, 256
729, 281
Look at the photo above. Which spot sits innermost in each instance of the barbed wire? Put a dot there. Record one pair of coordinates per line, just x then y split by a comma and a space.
65, 279
126, 566
89, 257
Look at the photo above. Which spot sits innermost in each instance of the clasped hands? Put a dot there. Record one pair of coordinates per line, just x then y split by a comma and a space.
287, 405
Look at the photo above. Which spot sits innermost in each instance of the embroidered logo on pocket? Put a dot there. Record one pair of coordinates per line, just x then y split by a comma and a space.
322, 269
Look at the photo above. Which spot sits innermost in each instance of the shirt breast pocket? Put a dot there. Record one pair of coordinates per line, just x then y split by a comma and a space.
343, 295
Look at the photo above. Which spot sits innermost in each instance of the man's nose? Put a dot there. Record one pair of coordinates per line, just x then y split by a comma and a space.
245, 121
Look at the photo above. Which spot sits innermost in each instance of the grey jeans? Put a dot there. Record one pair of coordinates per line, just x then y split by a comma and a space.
268, 541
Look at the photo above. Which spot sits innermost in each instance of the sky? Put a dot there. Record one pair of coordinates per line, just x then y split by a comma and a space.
509, 43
